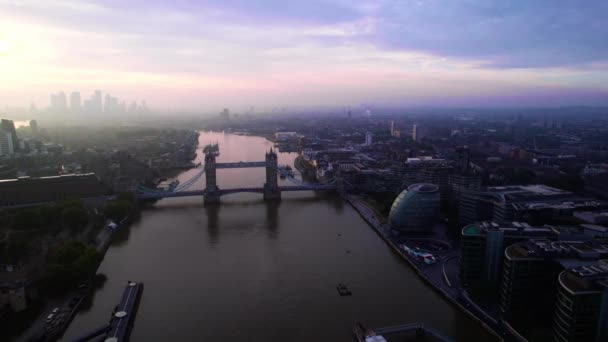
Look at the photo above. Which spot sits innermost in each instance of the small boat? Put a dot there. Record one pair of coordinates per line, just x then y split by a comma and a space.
343, 290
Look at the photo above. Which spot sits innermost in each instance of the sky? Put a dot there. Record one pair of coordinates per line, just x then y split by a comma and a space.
194, 55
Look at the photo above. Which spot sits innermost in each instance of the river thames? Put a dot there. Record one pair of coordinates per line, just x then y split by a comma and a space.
249, 270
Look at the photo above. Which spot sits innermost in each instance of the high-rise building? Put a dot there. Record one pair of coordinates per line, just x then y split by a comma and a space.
59, 102
530, 273
581, 311
6, 144
483, 245
522, 203
418, 133
9, 126
75, 102
438, 175
395, 132
225, 114
34, 127
111, 104
96, 102
459, 183
368, 138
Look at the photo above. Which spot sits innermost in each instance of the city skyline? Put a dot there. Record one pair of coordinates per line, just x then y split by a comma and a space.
201, 56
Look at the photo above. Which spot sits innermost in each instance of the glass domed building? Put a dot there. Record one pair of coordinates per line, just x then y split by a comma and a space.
415, 209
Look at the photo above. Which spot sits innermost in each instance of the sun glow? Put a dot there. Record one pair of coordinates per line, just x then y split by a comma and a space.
6, 46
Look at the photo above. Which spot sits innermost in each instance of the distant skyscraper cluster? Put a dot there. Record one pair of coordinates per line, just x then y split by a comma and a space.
95, 104
8, 138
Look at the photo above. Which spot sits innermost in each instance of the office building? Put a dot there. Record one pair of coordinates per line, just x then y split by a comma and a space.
581, 310
26, 190
75, 102
111, 104
483, 245
9, 126
96, 102
530, 274
415, 209
34, 127
460, 183
6, 144
368, 138
530, 203
395, 133
418, 133
59, 102
438, 175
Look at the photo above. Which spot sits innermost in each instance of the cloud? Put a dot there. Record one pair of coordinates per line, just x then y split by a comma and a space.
504, 34
316, 51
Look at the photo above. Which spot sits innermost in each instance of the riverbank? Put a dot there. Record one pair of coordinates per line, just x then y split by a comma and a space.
69, 304
437, 280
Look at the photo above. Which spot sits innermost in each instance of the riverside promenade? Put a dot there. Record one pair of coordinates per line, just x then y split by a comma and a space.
442, 275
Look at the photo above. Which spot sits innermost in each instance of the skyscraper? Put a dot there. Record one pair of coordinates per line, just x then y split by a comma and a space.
9, 126
111, 104
6, 143
417, 133
75, 104
368, 138
34, 127
59, 102
96, 102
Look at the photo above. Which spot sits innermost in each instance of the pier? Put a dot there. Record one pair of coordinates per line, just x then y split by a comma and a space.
123, 317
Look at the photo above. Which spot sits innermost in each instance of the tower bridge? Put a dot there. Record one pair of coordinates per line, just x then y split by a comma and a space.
212, 192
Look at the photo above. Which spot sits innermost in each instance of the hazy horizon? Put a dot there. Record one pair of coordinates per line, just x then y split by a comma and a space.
182, 55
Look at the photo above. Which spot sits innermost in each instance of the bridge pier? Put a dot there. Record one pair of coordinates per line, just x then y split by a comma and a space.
212, 194
271, 187
211, 197
271, 194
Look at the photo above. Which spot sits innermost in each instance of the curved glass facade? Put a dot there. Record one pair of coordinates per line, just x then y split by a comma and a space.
415, 208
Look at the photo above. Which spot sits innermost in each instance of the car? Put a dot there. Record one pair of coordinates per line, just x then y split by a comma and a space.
55, 310
50, 318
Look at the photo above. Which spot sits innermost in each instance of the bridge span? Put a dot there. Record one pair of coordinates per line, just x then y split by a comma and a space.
222, 192
212, 193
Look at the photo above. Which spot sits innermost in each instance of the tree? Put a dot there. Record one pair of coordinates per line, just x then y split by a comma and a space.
26, 219
117, 210
75, 217
70, 264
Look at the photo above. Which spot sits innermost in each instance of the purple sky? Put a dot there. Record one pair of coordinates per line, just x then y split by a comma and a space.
211, 54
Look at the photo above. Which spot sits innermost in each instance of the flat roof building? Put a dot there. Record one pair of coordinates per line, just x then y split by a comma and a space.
26, 190
529, 278
581, 310
530, 203
483, 244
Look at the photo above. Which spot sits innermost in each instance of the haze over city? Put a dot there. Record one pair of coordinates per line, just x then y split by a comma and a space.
186, 55
322, 170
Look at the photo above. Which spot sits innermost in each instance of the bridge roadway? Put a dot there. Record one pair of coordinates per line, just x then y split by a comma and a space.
239, 165
233, 191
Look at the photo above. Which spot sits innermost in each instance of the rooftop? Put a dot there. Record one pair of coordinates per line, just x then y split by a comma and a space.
544, 249
590, 277
423, 187
66, 176
510, 229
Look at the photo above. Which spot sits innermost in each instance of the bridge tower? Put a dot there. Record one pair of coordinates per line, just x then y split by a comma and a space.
211, 190
271, 187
